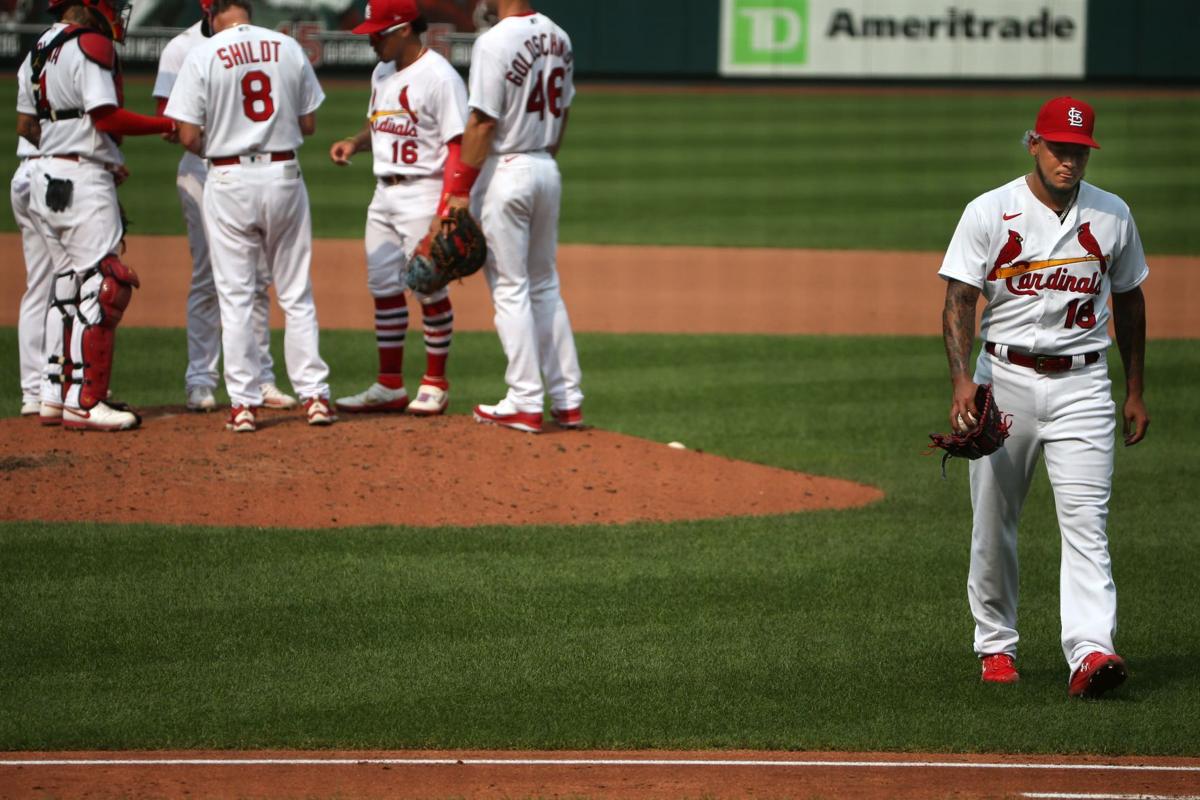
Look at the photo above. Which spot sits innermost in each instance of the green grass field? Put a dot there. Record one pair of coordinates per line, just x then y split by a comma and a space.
845, 630
887, 171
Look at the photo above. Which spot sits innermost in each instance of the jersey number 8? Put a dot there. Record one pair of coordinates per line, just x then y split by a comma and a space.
257, 104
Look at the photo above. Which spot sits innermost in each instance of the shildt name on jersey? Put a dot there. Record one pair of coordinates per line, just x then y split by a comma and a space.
246, 53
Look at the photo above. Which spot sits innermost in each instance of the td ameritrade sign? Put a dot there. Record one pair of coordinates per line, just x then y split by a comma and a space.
904, 38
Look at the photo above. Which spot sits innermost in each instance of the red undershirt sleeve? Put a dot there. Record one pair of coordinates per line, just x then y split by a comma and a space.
122, 122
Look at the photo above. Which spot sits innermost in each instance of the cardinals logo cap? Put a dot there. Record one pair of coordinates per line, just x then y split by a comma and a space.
1065, 119
384, 14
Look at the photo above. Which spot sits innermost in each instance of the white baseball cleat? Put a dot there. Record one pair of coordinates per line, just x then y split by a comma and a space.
377, 397
317, 409
241, 420
431, 401
30, 407
201, 398
506, 415
50, 414
273, 397
100, 417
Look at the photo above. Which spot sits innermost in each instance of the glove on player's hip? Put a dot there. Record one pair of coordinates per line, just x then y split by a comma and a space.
458, 250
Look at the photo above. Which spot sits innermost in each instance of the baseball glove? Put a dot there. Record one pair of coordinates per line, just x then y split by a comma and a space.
458, 250
985, 438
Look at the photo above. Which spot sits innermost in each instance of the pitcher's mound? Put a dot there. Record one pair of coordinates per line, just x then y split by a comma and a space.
182, 468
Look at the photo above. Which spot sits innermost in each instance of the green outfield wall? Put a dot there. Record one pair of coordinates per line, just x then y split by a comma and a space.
941, 40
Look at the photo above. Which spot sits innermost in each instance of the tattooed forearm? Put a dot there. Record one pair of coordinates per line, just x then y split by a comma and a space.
958, 326
1129, 322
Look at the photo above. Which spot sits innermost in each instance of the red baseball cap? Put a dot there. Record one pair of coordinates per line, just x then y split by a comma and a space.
1065, 119
384, 14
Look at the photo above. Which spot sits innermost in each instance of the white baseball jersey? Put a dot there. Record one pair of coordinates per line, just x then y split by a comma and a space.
231, 85
71, 80
1047, 282
522, 76
173, 57
25, 148
413, 113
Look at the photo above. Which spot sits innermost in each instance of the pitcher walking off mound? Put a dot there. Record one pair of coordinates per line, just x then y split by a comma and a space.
521, 89
245, 99
1047, 251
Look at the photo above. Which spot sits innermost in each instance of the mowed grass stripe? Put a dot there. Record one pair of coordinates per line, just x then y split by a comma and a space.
850, 171
831, 630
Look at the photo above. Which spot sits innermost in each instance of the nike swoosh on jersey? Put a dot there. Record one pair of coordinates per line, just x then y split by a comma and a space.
1007, 217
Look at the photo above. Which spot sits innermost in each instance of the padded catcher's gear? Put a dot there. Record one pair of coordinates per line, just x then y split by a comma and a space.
985, 438
458, 250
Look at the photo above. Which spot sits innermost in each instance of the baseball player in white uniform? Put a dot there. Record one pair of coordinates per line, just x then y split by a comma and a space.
521, 89
1047, 251
70, 106
203, 310
39, 273
414, 128
245, 99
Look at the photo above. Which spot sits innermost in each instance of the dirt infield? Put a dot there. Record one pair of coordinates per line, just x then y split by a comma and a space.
625, 289
593, 775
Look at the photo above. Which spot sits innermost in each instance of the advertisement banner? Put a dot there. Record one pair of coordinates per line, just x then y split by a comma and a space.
1001, 39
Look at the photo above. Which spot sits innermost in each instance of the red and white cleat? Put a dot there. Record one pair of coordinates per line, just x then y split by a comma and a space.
1099, 673
317, 409
506, 415
241, 420
999, 668
430, 402
100, 417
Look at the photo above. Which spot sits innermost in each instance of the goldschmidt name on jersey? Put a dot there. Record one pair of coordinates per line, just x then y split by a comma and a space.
535, 47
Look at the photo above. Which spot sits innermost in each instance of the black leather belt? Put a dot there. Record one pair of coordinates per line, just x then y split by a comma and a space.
1039, 362
392, 180
66, 113
229, 161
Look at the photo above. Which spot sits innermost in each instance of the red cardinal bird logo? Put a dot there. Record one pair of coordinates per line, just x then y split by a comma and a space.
1092, 246
405, 106
1008, 253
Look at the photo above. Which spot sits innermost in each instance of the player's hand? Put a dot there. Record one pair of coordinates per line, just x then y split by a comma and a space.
963, 414
120, 173
458, 201
1137, 420
341, 151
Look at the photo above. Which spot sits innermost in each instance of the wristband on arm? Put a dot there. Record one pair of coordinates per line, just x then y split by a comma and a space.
458, 178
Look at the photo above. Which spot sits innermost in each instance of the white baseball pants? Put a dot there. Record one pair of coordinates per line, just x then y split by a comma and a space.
203, 310
252, 211
517, 198
39, 284
397, 219
76, 238
1070, 418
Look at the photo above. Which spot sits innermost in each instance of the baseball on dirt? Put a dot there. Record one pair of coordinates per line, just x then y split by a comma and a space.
677, 445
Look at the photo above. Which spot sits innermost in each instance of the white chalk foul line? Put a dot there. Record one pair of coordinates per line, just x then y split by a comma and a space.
579, 762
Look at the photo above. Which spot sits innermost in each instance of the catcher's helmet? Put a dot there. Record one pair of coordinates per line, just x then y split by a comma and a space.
115, 13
